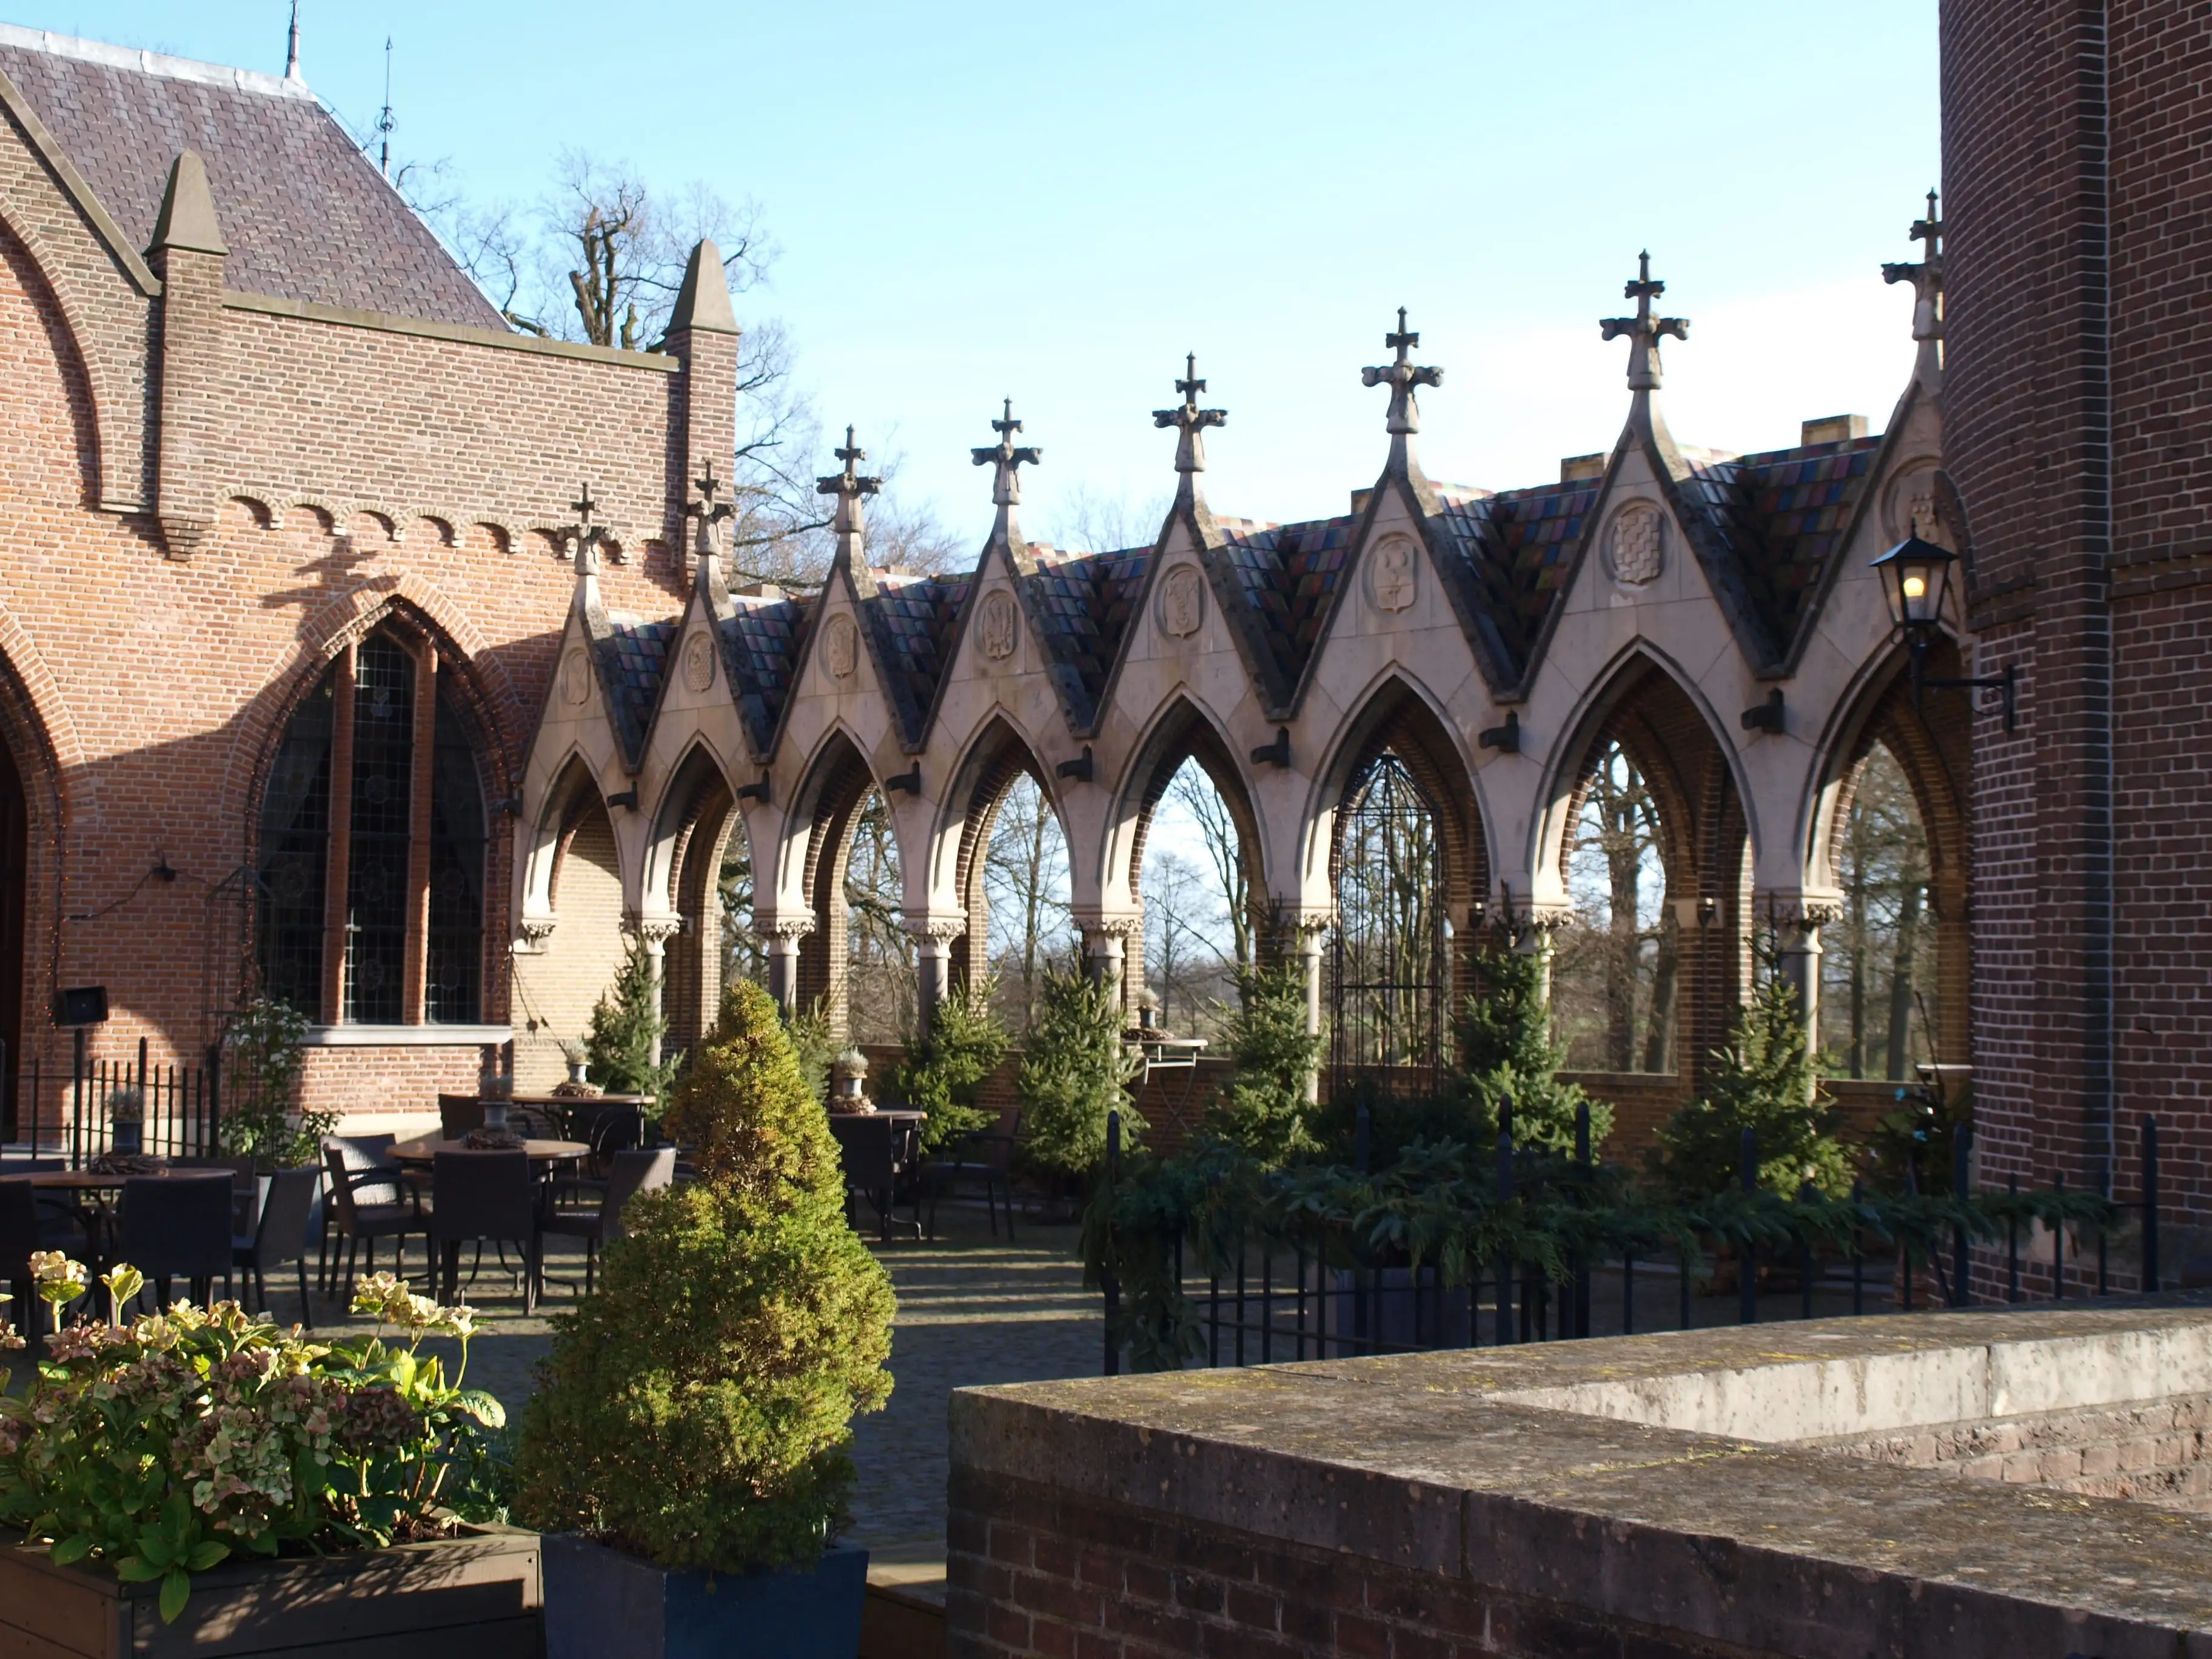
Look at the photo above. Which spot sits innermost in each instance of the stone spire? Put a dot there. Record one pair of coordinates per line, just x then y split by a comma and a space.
586, 538
710, 514
1645, 330
1008, 459
1927, 280
292, 46
849, 487
1189, 421
1402, 376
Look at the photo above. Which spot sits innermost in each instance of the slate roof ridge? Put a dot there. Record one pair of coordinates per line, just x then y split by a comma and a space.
162, 64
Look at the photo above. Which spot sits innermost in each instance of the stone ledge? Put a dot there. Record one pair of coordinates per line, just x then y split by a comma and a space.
1445, 1466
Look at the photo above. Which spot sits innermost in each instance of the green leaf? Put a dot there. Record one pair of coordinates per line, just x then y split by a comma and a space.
206, 1553
174, 1589
482, 1406
133, 1569
71, 1549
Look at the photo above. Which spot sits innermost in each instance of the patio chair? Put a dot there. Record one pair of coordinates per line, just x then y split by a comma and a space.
30, 1223
376, 1180
983, 1157
484, 1196
629, 1173
458, 1115
869, 1146
360, 1212
172, 1227
280, 1235
245, 1187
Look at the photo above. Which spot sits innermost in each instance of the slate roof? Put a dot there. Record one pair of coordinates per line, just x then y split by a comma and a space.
1082, 602
1287, 573
760, 654
912, 619
305, 215
1782, 516
1517, 547
633, 659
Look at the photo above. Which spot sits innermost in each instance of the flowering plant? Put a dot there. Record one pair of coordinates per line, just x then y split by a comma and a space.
174, 1442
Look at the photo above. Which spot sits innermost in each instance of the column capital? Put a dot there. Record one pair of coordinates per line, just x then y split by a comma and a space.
1798, 907
768, 926
927, 929
655, 930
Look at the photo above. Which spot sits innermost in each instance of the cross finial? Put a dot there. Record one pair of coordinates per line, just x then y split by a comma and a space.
848, 486
1402, 376
1926, 278
1008, 458
1645, 330
587, 536
1190, 419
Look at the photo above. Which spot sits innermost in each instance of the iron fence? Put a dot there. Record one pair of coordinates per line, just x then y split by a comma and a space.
1290, 1286
69, 1112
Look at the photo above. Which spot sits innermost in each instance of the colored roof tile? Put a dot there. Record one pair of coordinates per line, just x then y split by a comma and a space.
760, 654
1519, 546
1784, 515
633, 658
1287, 573
1082, 602
911, 618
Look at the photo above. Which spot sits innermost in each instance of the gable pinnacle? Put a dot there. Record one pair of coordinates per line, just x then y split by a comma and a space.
1926, 276
292, 46
709, 513
1190, 421
1402, 376
1644, 332
849, 487
588, 537
1006, 483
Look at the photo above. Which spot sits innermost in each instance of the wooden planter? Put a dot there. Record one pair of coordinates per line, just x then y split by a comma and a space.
473, 1597
606, 1605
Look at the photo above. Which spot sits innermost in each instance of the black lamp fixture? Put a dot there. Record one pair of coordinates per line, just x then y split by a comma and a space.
1916, 576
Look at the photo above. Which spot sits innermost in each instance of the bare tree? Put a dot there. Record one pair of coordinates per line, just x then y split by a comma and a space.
1026, 880
1183, 965
1880, 956
880, 981
1092, 520
1614, 980
1194, 791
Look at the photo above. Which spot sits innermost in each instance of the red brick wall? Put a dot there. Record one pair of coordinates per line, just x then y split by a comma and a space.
350, 470
2076, 428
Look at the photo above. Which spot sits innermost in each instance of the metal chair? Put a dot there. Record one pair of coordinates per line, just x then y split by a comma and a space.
364, 1155
360, 1212
869, 1145
630, 1173
484, 1196
984, 1157
281, 1235
173, 1227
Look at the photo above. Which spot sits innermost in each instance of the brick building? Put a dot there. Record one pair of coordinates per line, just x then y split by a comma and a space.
282, 571
2078, 428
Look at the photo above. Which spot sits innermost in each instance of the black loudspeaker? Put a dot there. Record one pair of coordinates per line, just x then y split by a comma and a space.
82, 1004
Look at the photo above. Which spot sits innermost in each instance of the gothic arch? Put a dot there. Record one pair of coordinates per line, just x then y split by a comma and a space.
838, 779
998, 756
697, 818
1398, 715
97, 401
1647, 707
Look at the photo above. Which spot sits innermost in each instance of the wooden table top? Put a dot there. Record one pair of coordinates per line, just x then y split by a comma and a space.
93, 1181
541, 1152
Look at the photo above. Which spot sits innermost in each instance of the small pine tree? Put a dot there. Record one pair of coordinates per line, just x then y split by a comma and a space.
1508, 1050
816, 1045
695, 1408
622, 1044
945, 1065
1075, 1072
1763, 1081
1264, 1111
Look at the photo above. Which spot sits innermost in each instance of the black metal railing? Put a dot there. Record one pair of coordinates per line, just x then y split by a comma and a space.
69, 1112
1233, 1282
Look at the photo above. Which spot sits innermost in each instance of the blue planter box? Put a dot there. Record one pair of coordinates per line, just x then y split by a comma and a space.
602, 1604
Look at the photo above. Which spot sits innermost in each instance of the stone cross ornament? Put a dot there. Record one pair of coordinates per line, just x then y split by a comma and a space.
1402, 376
1644, 332
1190, 421
1926, 278
848, 486
1006, 485
586, 537
707, 510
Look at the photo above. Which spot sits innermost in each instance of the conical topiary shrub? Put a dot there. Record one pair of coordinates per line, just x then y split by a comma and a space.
695, 1409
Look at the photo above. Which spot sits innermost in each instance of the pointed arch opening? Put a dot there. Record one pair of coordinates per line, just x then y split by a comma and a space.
1895, 964
557, 981
858, 964
1012, 873
1195, 872
1409, 867
708, 887
1654, 956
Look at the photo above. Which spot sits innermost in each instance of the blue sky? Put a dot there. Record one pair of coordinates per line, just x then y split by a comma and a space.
1056, 203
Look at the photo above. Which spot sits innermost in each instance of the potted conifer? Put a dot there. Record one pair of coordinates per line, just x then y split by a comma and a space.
685, 1452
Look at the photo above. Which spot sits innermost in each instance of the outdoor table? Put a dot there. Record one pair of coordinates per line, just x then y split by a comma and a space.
103, 1188
541, 1152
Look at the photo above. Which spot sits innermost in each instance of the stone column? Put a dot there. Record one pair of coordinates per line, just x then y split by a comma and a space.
781, 936
1532, 936
655, 931
1105, 948
1312, 927
1797, 919
933, 936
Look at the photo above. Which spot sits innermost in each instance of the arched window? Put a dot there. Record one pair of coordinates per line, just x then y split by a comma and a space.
372, 840
1389, 973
